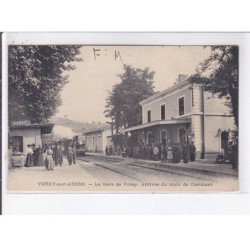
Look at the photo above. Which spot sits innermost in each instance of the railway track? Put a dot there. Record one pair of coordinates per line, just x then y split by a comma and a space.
108, 166
122, 167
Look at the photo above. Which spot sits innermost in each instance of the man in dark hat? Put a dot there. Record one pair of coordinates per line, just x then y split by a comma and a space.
40, 161
35, 155
233, 154
192, 150
107, 150
185, 153
70, 154
74, 153
58, 155
175, 152
150, 152
110, 150
164, 153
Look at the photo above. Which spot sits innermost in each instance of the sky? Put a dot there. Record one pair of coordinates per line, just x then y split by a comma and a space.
84, 96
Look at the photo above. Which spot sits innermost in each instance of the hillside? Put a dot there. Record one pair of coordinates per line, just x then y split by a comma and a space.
76, 126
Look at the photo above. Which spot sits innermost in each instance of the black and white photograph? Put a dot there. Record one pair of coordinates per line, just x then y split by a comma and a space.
122, 118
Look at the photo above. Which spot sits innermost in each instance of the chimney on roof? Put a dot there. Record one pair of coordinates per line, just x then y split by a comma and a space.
181, 78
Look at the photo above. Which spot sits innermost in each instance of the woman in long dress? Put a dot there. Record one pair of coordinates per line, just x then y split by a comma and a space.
169, 154
49, 159
29, 158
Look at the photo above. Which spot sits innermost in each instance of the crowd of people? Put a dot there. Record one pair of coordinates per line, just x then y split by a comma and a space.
34, 155
174, 152
50, 155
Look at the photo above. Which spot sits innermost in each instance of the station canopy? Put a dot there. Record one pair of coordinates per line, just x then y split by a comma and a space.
46, 128
155, 123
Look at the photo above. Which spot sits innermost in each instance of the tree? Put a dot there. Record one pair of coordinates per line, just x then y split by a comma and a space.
36, 78
220, 75
123, 102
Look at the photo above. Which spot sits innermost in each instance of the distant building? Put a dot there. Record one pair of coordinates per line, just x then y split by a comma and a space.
97, 139
185, 113
23, 133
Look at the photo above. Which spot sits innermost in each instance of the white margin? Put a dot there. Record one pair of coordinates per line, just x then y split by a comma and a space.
175, 203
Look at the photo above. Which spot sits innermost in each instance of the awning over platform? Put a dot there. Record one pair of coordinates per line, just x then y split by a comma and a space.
156, 123
46, 128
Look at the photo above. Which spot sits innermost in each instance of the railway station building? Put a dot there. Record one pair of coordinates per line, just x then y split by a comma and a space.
23, 133
184, 113
97, 139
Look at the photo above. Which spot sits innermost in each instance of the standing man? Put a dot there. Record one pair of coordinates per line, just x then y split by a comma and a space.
107, 150
74, 154
192, 150
10, 153
118, 150
58, 155
185, 152
233, 154
40, 161
160, 151
137, 152
53, 147
164, 153
143, 152
179, 152
36, 155
55, 153
110, 150
61, 154
150, 152
70, 155
175, 153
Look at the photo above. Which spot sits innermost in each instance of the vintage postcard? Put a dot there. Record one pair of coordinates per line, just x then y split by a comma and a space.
133, 118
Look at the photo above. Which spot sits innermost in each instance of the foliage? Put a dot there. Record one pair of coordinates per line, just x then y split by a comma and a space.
118, 139
36, 77
221, 72
123, 102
